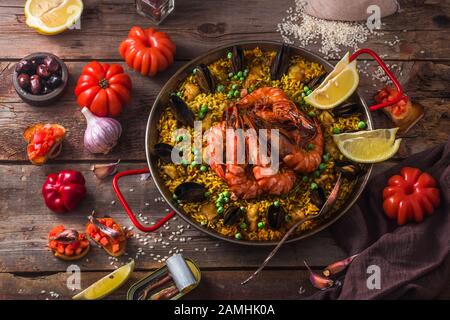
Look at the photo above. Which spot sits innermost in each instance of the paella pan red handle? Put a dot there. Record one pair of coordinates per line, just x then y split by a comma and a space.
127, 208
400, 95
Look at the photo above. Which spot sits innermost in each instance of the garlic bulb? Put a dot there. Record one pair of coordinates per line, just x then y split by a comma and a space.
101, 134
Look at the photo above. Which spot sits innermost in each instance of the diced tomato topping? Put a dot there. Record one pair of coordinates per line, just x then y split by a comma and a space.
84, 244
56, 230
97, 237
109, 223
78, 251
115, 247
43, 140
104, 241
68, 251
61, 248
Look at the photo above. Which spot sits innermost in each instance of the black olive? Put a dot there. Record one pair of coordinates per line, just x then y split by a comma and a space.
42, 71
52, 64
24, 66
24, 81
36, 85
54, 81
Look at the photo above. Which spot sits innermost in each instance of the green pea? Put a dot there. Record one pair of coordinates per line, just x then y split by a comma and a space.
314, 186
234, 86
322, 166
174, 196
194, 71
239, 74
311, 114
220, 88
276, 203
201, 115
235, 77
241, 78
218, 204
306, 89
230, 95
226, 193
204, 108
238, 236
261, 224
243, 225
305, 179
229, 55
336, 130
184, 162
230, 75
317, 173
245, 72
242, 208
194, 164
180, 138
326, 157
311, 146
309, 92
237, 93
361, 125
179, 94
303, 94
207, 194
226, 199
249, 90
203, 168
220, 210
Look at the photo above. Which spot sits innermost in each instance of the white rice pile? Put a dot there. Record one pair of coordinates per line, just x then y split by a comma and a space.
333, 35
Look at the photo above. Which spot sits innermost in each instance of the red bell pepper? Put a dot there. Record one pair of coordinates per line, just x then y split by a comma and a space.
63, 191
410, 195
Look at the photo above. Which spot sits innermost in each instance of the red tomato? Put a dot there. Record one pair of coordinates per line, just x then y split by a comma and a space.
410, 195
147, 51
104, 89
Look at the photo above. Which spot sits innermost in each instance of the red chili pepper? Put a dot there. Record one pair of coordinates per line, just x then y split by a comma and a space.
410, 195
63, 191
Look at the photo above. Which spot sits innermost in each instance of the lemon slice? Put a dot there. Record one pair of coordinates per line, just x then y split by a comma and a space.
336, 89
107, 284
337, 69
368, 146
51, 17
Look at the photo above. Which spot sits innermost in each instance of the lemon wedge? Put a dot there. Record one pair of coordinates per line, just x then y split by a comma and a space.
107, 284
368, 146
50, 17
337, 69
337, 86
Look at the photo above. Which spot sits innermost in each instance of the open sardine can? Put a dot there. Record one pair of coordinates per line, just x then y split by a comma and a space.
174, 280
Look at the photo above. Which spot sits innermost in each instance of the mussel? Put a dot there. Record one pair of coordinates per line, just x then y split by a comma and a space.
347, 109
280, 63
181, 110
314, 83
205, 79
232, 215
318, 197
190, 192
348, 169
237, 59
275, 216
163, 151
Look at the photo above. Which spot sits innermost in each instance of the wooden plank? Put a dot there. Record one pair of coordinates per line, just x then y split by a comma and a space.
223, 284
26, 222
197, 27
426, 82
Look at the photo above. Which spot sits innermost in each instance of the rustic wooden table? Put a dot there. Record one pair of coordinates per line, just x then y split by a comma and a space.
26, 265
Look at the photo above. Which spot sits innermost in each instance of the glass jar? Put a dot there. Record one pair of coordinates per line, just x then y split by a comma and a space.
156, 10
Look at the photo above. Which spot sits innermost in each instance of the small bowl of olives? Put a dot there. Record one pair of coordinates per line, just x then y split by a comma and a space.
40, 78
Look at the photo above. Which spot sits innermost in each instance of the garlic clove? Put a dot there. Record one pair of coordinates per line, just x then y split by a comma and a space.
101, 171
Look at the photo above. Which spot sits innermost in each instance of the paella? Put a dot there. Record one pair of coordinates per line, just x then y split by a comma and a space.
226, 182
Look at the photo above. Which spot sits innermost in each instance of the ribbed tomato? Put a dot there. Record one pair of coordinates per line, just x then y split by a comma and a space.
104, 89
147, 51
410, 195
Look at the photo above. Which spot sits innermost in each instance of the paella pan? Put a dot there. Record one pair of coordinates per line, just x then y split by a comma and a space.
240, 86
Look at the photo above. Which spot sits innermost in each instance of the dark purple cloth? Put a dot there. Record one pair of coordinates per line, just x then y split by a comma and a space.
413, 259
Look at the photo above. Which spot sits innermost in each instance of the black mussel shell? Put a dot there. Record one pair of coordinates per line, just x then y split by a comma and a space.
232, 215
237, 60
190, 192
348, 169
181, 110
318, 197
205, 79
280, 63
163, 151
275, 216
347, 109
314, 83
